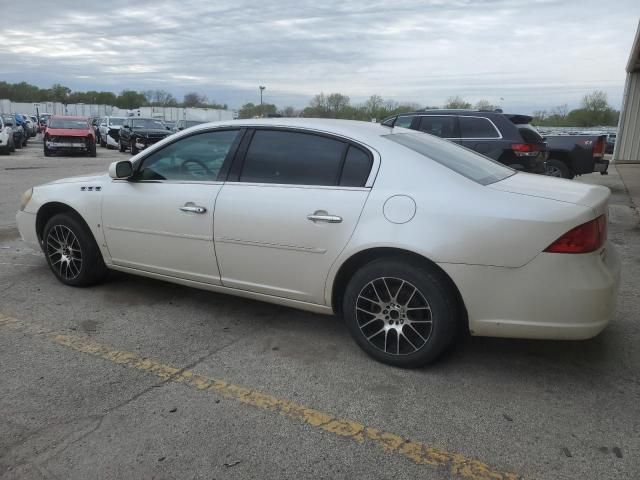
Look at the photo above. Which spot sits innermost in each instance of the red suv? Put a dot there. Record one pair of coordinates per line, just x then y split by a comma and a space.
69, 134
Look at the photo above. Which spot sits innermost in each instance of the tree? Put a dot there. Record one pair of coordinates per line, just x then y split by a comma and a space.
288, 112
337, 102
457, 102
560, 111
59, 93
131, 99
250, 110
485, 105
160, 98
596, 101
194, 99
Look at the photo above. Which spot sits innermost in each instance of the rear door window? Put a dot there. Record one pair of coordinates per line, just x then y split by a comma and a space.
477, 127
296, 158
439, 125
529, 134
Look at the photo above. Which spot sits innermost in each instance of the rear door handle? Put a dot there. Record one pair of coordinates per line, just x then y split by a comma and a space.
322, 216
193, 208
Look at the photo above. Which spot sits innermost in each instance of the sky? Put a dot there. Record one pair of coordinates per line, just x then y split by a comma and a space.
522, 55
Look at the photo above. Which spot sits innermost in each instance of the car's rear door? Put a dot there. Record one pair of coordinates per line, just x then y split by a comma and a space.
443, 126
289, 207
161, 221
482, 135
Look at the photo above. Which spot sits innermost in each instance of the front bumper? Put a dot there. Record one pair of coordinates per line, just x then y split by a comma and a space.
79, 146
26, 222
555, 296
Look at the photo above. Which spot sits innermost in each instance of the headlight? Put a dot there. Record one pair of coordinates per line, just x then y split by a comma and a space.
26, 196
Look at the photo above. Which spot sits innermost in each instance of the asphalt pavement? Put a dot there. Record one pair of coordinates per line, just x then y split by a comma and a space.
138, 378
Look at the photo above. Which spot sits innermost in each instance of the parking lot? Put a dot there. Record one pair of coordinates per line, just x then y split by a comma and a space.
138, 378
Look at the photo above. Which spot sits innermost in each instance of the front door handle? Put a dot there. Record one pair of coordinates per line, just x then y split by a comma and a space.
193, 208
322, 216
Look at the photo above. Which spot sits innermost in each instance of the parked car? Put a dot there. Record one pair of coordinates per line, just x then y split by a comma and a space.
44, 118
30, 128
69, 134
182, 124
35, 122
490, 133
170, 125
18, 132
409, 237
6, 138
137, 133
571, 155
611, 143
109, 131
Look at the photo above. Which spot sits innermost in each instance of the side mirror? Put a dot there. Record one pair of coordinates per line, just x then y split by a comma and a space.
121, 169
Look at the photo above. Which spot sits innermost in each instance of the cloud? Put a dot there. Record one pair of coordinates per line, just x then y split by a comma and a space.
533, 54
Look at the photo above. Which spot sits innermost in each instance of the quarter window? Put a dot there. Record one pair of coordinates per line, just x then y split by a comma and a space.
195, 158
357, 165
292, 158
477, 127
440, 126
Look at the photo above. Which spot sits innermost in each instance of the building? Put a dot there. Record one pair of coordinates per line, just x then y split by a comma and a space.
627, 147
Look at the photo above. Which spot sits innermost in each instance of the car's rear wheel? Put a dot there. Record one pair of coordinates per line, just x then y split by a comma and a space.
18, 144
556, 168
401, 314
120, 146
71, 251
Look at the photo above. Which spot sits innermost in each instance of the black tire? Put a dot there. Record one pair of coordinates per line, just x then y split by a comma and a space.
132, 144
91, 268
12, 147
92, 149
47, 152
18, 145
556, 168
414, 347
120, 146
103, 144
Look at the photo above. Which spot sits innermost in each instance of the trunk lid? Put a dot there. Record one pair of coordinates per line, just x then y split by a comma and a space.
561, 190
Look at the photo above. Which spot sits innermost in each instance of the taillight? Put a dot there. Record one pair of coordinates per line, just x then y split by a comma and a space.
526, 149
598, 147
584, 238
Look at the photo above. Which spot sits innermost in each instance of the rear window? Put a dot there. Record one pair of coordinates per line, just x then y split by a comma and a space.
461, 160
477, 127
69, 123
529, 134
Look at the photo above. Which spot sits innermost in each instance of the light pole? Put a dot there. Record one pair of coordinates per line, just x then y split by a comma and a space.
262, 89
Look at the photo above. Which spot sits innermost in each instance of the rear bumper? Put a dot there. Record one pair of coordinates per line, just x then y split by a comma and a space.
601, 166
555, 296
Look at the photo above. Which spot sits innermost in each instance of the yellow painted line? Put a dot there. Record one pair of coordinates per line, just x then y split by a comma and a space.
417, 452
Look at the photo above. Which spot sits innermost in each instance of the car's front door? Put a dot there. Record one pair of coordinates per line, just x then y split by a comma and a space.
284, 216
161, 220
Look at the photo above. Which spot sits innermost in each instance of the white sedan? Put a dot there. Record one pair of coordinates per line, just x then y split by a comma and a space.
412, 239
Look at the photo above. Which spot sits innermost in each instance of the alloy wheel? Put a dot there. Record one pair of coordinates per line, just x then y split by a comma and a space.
65, 254
553, 171
394, 316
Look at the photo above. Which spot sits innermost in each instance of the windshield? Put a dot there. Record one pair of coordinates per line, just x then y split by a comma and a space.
461, 160
148, 123
68, 123
8, 121
116, 121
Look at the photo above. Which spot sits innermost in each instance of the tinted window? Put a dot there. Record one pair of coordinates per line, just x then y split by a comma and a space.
389, 122
198, 157
69, 123
444, 127
403, 121
292, 158
459, 159
357, 166
475, 127
529, 134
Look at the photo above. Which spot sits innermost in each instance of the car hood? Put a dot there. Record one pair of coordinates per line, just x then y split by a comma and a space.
67, 132
92, 178
150, 131
558, 189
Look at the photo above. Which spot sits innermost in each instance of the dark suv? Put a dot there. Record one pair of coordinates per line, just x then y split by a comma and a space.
506, 138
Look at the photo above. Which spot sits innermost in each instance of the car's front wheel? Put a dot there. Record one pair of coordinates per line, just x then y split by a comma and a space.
401, 314
121, 146
71, 251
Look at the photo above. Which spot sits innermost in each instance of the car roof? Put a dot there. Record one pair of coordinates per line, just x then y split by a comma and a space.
348, 128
